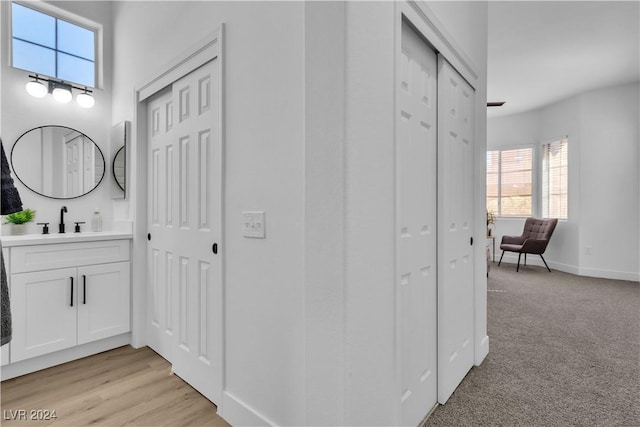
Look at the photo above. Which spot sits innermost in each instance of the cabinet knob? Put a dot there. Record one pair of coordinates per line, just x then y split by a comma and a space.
149, 236
214, 248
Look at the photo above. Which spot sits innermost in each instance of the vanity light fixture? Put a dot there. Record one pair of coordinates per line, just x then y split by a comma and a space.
61, 91
36, 88
85, 100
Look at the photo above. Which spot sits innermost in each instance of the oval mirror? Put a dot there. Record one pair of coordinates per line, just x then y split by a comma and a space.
57, 162
118, 168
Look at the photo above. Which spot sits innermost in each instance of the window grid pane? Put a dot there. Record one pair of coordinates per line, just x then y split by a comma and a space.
75, 69
76, 40
33, 26
28, 56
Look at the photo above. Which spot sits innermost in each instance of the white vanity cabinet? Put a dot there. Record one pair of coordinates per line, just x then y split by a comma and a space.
65, 307
68, 294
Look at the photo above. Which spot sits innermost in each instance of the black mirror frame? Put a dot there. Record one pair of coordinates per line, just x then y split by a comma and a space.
104, 162
113, 167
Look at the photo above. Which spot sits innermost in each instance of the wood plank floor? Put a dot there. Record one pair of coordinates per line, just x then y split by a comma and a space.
120, 387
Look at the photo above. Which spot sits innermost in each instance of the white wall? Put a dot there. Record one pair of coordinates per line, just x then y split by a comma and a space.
369, 213
21, 112
324, 206
602, 127
263, 118
609, 181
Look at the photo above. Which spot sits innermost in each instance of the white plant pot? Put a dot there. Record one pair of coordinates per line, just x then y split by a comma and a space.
18, 229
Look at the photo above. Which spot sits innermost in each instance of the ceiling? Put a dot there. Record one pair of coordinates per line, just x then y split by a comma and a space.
541, 52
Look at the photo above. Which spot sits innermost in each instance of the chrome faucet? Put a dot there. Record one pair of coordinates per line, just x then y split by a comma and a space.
61, 225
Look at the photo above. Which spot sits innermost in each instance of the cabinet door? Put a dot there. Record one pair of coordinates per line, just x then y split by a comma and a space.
103, 301
43, 308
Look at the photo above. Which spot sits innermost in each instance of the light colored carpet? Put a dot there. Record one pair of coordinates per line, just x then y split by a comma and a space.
564, 351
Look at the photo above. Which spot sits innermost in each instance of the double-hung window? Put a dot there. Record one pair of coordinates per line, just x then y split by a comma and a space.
48, 45
509, 182
513, 187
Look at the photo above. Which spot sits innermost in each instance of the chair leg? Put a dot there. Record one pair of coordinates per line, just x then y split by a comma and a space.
525, 258
545, 263
518, 267
500, 258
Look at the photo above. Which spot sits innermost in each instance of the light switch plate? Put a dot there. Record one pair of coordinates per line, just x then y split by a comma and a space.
253, 224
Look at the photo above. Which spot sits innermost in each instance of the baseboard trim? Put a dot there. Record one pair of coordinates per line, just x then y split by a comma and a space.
238, 413
510, 258
610, 274
34, 364
482, 351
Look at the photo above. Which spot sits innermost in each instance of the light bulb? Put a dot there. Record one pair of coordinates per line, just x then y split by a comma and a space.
36, 89
62, 95
85, 100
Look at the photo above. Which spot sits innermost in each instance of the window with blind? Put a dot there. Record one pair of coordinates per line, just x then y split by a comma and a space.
509, 182
555, 187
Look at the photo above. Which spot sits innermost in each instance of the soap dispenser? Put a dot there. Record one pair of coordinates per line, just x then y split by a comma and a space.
96, 221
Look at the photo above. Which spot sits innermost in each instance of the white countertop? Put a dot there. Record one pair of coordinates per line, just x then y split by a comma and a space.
44, 239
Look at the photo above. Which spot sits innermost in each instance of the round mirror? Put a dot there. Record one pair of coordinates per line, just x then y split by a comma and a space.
118, 168
57, 162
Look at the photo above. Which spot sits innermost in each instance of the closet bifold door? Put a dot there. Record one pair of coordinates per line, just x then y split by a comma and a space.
455, 229
184, 295
416, 197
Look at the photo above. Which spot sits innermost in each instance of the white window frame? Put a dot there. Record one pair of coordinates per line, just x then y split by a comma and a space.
536, 177
56, 12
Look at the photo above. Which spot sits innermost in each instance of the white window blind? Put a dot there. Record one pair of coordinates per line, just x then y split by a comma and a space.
555, 182
515, 182
493, 181
509, 182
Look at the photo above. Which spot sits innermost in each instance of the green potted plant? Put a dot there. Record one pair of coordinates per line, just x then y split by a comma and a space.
491, 218
19, 219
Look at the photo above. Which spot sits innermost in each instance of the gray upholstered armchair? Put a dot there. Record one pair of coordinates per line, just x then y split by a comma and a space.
534, 239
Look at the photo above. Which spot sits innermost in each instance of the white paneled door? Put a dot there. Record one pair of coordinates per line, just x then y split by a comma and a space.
455, 224
416, 281
184, 221
73, 166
